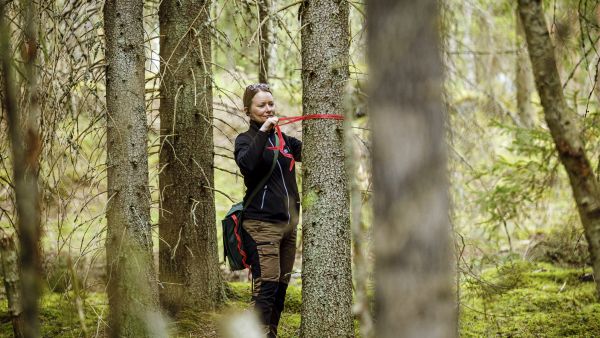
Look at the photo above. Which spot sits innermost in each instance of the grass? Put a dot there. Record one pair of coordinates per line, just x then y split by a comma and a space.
517, 299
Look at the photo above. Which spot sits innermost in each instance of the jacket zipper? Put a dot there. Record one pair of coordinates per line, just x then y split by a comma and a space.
284, 187
263, 198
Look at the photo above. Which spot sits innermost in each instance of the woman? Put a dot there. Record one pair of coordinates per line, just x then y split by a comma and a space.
271, 218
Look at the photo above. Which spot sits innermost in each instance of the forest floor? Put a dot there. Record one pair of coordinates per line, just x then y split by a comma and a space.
516, 299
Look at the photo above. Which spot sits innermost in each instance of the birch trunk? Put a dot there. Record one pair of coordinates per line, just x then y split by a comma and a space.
413, 271
326, 259
188, 258
132, 285
564, 127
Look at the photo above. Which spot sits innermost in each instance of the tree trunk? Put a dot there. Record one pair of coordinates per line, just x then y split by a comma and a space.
523, 79
188, 258
326, 262
265, 40
564, 127
10, 271
132, 285
361, 309
485, 67
26, 147
413, 271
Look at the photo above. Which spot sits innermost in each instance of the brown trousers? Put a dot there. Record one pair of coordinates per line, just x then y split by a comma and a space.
271, 250
275, 248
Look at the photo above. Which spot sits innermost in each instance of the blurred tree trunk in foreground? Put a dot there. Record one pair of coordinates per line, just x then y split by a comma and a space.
132, 293
26, 147
326, 258
414, 271
189, 261
564, 127
360, 233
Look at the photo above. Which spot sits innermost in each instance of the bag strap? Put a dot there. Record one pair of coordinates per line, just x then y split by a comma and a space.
266, 178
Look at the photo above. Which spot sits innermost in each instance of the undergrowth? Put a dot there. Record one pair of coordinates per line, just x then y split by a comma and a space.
517, 299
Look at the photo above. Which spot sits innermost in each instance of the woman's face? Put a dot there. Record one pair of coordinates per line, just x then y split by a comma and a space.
262, 107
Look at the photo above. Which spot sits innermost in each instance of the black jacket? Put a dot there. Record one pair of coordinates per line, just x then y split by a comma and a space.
278, 201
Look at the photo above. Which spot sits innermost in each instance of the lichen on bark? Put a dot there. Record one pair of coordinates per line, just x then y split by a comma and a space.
326, 263
132, 284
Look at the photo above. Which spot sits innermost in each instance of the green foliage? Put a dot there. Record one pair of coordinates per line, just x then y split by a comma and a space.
525, 173
507, 181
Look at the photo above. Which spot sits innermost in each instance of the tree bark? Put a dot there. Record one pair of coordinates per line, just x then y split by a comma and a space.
523, 78
326, 262
264, 9
132, 285
10, 271
265, 40
413, 271
188, 258
26, 147
564, 127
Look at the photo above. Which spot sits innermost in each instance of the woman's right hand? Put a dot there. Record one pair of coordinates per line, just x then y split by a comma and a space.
269, 123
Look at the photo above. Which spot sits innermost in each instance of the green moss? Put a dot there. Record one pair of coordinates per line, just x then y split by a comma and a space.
309, 199
59, 318
293, 299
195, 324
517, 299
238, 291
289, 326
529, 300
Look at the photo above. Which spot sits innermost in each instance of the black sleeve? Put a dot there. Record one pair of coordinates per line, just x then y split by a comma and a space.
248, 151
296, 148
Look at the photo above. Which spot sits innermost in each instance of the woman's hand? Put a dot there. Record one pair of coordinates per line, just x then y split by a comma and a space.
269, 123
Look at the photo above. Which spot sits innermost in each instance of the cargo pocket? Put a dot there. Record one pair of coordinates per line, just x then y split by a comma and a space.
268, 257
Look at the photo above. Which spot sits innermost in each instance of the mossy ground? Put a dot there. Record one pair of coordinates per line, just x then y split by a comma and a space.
517, 299
522, 299
59, 316
238, 295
